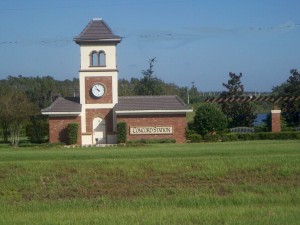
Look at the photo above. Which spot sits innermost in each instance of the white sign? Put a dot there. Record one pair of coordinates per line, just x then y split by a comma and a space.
151, 130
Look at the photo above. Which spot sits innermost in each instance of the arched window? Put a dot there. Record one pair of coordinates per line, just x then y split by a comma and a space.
98, 58
102, 60
94, 58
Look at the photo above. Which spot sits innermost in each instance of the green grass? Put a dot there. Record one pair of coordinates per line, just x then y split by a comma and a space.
255, 182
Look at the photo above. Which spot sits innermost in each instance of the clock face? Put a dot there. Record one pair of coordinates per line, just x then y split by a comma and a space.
98, 90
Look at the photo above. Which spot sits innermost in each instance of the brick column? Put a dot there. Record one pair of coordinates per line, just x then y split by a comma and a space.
275, 115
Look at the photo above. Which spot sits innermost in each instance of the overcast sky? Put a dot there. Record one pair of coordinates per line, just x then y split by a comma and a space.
197, 41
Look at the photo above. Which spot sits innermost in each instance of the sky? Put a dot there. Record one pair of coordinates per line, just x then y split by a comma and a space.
194, 41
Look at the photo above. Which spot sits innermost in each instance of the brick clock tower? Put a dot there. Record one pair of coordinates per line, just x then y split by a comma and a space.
98, 77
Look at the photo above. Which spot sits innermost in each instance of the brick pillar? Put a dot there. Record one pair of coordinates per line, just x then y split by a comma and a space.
275, 115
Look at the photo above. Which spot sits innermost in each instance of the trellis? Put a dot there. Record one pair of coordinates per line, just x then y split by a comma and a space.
272, 99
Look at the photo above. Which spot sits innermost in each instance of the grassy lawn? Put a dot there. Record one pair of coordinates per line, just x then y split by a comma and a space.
255, 182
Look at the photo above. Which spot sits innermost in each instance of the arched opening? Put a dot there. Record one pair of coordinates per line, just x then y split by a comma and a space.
99, 131
102, 60
94, 59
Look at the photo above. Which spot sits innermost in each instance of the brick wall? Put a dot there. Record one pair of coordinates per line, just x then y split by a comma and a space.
106, 114
58, 128
178, 122
106, 82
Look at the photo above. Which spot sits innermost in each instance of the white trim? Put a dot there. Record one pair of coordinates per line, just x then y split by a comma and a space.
114, 87
82, 88
276, 111
61, 113
141, 112
99, 106
83, 120
96, 73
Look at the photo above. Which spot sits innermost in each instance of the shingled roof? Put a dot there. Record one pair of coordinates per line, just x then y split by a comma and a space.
126, 105
97, 31
151, 104
63, 106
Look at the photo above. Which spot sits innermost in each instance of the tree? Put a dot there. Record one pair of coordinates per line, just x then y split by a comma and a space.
238, 113
234, 86
37, 129
126, 88
290, 88
42, 91
14, 112
209, 118
194, 94
149, 84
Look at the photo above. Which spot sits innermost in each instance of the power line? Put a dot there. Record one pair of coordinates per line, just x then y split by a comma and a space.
151, 35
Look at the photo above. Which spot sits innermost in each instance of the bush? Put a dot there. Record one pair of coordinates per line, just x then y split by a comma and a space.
261, 136
122, 132
37, 130
279, 136
189, 132
208, 119
72, 133
212, 137
195, 138
152, 141
230, 137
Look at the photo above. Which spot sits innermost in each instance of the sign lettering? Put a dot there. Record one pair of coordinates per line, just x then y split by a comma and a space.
151, 130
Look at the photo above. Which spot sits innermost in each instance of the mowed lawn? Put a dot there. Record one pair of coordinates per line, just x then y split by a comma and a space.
255, 182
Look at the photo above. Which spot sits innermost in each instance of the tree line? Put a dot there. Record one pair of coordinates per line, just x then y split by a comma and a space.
22, 97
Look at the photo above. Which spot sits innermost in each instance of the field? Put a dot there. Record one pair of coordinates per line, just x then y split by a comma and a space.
255, 182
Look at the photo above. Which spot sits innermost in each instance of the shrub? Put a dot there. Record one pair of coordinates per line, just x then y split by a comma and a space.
280, 136
189, 132
212, 137
72, 133
208, 119
261, 136
37, 130
195, 138
230, 137
152, 141
122, 132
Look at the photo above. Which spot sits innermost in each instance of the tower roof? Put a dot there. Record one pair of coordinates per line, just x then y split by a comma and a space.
97, 31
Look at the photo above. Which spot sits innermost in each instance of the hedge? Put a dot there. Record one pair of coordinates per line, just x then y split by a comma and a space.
261, 136
122, 132
152, 141
195, 138
72, 133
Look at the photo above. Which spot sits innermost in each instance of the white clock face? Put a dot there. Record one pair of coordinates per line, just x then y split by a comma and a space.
98, 90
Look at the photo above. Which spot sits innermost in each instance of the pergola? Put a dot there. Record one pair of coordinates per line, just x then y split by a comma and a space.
275, 100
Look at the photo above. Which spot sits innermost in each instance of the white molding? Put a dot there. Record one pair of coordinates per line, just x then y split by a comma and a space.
99, 106
115, 88
61, 113
83, 120
276, 111
97, 73
143, 112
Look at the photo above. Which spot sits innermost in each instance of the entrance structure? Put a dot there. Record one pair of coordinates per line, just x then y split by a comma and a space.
99, 109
